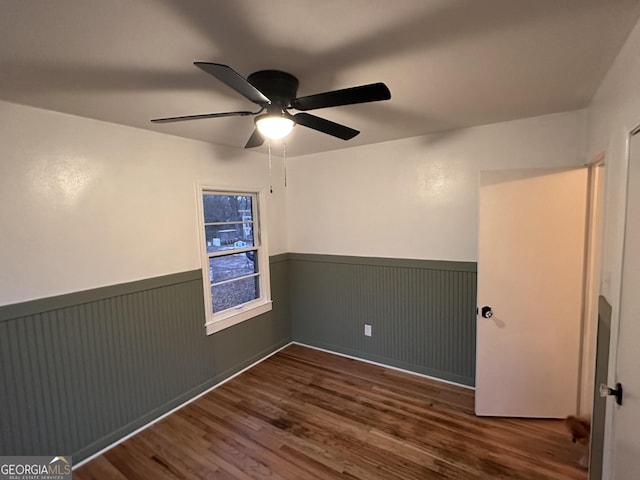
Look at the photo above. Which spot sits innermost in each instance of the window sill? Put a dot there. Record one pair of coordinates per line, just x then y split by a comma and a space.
237, 316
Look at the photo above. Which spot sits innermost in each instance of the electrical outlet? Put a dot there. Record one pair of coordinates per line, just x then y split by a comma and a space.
367, 330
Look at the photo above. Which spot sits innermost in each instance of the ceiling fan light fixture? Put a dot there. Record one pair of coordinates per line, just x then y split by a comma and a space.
274, 127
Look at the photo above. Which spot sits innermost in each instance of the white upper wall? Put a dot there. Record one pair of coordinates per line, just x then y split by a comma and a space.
417, 198
88, 203
613, 113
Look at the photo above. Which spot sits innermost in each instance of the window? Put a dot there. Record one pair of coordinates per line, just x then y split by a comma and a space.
235, 266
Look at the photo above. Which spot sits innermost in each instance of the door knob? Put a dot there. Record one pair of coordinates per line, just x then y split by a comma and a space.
486, 312
616, 392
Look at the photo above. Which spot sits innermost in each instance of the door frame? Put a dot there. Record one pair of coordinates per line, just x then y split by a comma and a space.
596, 178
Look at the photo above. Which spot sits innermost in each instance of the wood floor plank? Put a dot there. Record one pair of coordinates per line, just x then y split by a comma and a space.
308, 414
101, 469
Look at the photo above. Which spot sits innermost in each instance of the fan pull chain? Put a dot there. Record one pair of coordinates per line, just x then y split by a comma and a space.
284, 155
270, 182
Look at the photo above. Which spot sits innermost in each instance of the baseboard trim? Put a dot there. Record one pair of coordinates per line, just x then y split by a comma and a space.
175, 409
422, 375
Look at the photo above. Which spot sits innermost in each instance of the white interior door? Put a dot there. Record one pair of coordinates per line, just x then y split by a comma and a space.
530, 272
627, 417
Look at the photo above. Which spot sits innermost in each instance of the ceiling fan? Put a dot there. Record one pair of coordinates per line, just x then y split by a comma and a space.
275, 92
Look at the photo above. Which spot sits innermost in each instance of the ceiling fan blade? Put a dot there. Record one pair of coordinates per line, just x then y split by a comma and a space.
204, 115
325, 126
255, 140
233, 79
373, 92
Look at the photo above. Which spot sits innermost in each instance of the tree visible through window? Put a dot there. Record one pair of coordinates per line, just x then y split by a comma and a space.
232, 252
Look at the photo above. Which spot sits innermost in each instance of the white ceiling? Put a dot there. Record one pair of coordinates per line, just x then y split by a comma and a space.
448, 63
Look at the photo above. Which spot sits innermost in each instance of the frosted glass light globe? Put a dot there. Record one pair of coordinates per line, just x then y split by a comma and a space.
274, 127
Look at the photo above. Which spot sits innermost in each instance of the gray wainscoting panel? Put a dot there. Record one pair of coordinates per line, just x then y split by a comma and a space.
422, 313
80, 371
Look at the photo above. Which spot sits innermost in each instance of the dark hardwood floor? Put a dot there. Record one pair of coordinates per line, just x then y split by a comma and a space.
306, 414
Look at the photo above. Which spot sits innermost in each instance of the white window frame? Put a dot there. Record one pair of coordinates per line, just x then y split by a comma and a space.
215, 322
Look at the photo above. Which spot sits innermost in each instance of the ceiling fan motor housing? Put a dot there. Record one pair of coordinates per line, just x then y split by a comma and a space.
279, 87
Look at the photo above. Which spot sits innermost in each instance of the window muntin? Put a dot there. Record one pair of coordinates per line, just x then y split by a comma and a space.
235, 270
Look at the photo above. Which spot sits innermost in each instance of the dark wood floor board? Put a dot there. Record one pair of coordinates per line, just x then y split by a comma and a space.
322, 418
134, 465
231, 443
494, 440
307, 414
190, 460
172, 459
342, 405
101, 469
179, 432
412, 389
263, 442
292, 431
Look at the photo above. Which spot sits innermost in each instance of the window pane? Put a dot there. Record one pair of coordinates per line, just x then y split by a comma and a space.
225, 237
232, 294
227, 208
228, 267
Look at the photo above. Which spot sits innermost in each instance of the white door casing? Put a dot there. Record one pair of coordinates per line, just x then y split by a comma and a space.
530, 271
593, 245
